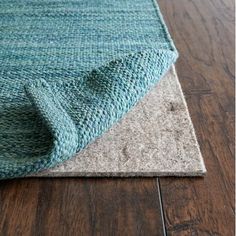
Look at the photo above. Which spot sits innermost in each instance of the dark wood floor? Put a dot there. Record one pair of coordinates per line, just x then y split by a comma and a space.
203, 31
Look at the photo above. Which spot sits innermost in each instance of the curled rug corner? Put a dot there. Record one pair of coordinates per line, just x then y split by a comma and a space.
71, 70
156, 138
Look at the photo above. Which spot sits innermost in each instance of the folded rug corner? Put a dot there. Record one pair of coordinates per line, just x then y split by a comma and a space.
69, 71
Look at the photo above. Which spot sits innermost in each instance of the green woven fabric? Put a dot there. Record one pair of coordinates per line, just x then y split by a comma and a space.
69, 69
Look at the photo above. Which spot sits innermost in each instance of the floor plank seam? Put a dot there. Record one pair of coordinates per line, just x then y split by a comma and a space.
161, 208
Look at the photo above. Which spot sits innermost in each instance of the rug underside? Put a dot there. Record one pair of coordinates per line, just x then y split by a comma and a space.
156, 138
70, 70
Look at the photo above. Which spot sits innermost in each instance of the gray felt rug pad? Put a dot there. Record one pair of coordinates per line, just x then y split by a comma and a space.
156, 138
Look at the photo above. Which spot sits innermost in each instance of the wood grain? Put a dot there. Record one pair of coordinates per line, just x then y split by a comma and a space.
76, 206
203, 32
204, 35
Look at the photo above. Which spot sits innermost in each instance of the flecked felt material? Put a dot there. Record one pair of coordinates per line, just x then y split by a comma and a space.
69, 70
156, 138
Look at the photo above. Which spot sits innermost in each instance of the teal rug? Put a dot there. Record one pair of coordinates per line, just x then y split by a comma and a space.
71, 69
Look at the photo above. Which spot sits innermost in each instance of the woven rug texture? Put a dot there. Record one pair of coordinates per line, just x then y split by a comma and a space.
71, 69
155, 138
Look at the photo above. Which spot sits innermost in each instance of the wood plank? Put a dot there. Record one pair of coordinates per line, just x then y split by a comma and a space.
78, 206
204, 35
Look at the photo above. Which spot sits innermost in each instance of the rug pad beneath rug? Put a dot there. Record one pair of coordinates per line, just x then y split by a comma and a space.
156, 138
